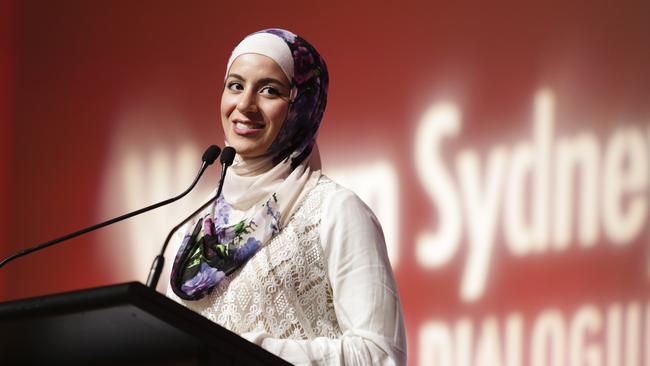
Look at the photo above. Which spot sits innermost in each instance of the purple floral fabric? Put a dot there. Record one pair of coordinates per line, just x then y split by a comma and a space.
298, 133
217, 247
214, 249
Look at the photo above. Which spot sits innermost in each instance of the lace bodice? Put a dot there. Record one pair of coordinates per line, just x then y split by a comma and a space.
283, 290
321, 292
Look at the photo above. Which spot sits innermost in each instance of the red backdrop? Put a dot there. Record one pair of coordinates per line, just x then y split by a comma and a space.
504, 148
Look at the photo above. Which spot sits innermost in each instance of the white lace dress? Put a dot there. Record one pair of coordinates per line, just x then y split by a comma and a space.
321, 292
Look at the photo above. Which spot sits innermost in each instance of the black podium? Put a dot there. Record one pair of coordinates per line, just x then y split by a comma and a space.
126, 324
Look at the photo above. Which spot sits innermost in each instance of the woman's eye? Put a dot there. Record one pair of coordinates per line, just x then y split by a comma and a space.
234, 85
269, 90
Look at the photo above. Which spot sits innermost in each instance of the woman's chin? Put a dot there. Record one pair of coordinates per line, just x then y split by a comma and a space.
249, 146
246, 151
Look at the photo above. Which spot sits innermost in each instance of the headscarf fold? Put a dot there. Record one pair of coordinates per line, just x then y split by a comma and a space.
261, 194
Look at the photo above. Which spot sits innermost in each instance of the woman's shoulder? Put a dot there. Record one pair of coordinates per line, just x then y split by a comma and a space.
349, 230
341, 206
335, 196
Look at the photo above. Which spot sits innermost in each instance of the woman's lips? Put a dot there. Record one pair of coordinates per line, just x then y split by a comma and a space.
247, 128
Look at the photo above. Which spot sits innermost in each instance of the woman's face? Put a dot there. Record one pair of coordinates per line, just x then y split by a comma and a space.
254, 104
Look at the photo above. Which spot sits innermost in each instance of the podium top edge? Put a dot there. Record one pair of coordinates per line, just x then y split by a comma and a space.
97, 297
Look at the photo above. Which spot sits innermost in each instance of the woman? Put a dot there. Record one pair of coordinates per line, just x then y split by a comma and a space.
287, 258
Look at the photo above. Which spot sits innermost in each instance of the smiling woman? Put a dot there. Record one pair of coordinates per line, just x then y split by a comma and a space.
287, 258
254, 104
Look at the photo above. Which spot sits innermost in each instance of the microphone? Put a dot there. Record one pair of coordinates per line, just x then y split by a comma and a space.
209, 156
227, 158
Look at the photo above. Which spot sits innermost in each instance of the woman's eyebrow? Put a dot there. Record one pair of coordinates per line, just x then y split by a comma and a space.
261, 81
273, 80
236, 76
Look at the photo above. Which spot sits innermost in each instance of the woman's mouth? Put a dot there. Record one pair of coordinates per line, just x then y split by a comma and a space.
246, 128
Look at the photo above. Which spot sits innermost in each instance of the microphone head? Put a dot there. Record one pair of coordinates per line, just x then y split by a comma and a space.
211, 154
228, 156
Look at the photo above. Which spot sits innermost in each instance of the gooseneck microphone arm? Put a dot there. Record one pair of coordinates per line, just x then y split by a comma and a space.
209, 157
227, 157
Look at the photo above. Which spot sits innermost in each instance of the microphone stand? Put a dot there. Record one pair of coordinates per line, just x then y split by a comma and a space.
227, 158
210, 154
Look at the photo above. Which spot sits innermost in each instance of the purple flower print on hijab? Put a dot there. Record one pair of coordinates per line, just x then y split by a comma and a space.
206, 278
298, 133
210, 253
247, 250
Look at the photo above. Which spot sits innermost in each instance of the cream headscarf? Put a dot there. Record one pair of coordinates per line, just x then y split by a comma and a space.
259, 195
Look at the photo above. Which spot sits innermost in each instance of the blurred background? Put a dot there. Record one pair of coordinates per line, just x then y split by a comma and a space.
504, 147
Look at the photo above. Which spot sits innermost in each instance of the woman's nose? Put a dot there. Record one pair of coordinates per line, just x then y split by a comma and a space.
247, 102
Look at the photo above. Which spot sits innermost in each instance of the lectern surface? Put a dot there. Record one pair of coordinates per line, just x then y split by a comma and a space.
126, 324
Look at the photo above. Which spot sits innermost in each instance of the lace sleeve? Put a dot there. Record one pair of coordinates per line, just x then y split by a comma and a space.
366, 301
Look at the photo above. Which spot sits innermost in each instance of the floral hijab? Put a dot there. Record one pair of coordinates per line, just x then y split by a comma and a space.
259, 195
